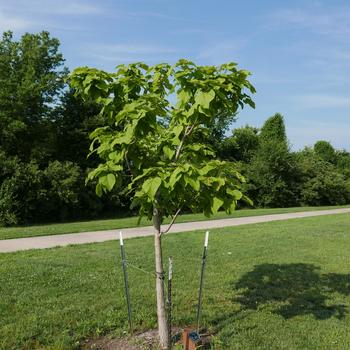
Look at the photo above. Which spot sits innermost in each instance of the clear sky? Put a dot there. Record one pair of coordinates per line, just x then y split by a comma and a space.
298, 51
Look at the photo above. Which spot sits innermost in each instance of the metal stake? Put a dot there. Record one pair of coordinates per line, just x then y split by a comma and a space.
204, 257
169, 301
124, 264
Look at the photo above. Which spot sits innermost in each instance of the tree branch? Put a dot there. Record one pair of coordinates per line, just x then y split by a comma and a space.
128, 165
188, 131
181, 144
172, 221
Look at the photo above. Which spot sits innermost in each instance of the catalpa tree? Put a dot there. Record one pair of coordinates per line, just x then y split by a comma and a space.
154, 145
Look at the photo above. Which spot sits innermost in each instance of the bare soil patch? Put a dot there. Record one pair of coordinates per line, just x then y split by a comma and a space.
147, 340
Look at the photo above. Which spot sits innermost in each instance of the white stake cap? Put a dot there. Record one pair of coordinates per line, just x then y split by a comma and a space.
121, 238
170, 276
206, 239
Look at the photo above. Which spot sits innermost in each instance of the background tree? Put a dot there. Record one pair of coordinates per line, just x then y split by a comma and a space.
272, 171
241, 146
73, 121
343, 163
325, 151
321, 182
32, 77
44, 139
157, 144
274, 129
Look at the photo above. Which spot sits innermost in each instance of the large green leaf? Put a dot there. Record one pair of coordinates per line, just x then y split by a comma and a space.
203, 98
175, 177
107, 181
216, 204
110, 181
168, 152
207, 168
151, 186
98, 190
193, 182
234, 193
183, 98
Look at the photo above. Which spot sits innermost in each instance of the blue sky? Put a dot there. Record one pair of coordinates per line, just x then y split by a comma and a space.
298, 51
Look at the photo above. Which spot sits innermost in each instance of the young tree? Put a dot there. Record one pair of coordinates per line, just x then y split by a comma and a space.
157, 143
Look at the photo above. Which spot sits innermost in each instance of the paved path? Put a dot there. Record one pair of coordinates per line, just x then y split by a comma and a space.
12, 245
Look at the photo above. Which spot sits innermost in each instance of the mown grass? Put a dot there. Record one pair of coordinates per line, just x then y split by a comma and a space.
99, 225
277, 285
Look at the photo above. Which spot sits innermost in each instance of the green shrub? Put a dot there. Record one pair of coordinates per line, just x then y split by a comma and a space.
321, 182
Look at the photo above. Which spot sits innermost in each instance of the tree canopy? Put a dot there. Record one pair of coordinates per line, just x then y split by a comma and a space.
156, 143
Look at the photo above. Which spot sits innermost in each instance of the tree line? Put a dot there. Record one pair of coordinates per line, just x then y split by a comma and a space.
44, 142
279, 177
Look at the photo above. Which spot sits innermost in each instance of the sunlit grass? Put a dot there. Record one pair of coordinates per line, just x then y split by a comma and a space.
277, 285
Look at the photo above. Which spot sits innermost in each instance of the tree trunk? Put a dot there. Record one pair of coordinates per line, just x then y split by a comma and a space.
161, 313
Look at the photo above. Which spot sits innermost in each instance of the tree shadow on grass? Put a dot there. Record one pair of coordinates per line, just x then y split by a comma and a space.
292, 290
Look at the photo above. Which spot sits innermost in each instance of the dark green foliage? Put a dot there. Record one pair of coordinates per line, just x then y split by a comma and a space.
277, 177
34, 195
73, 121
274, 129
31, 76
29, 194
241, 145
44, 138
325, 151
343, 163
271, 171
272, 175
321, 182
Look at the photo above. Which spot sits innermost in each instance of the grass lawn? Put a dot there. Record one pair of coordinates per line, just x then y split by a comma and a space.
99, 225
276, 285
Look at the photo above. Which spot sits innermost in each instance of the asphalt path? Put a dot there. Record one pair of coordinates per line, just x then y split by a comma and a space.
43, 242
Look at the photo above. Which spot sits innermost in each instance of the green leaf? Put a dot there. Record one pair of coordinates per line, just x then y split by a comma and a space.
110, 181
232, 207
175, 177
247, 200
126, 136
98, 190
206, 169
216, 205
234, 193
168, 152
183, 97
115, 167
107, 181
203, 99
151, 186
177, 130
194, 183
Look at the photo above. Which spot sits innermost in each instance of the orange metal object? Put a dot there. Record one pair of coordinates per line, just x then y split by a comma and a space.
190, 339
